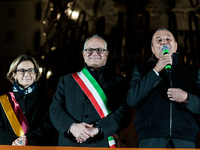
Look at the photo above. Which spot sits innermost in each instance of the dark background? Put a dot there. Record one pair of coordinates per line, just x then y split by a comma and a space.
45, 29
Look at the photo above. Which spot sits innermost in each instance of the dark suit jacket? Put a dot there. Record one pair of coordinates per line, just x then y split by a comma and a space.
36, 108
71, 105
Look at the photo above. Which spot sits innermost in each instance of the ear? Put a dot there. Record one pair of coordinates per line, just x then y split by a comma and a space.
107, 53
175, 46
14, 75
152, 49
83, 53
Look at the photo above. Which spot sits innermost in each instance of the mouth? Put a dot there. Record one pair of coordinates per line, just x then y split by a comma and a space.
94, 57
27, 79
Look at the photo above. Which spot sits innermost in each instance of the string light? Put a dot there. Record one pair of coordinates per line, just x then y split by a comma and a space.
53, 48
40, 70
48, 75
42, 56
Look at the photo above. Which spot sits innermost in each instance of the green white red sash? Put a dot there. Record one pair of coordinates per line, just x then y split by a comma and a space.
96, 95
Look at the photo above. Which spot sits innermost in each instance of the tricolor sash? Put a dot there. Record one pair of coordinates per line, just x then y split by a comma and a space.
96, 95
14, 114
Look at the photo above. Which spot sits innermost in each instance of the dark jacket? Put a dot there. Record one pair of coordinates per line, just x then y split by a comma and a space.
36, 109
71, 105
156, 115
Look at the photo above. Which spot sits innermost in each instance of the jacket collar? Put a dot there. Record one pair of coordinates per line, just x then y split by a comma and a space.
101, 75
31, 96
96, 72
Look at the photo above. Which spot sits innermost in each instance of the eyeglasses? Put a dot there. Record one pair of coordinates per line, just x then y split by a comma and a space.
98, 50
23, 71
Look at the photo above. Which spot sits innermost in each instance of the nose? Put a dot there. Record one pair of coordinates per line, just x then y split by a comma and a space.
26, 73
164, 41
94, 52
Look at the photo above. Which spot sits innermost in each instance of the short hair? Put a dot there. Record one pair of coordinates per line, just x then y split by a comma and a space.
160, 29
17, 61
94, 36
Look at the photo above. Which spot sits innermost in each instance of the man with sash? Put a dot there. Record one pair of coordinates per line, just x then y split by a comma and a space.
88, 107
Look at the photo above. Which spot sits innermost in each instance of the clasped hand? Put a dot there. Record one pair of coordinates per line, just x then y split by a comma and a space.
20, 141
83, 131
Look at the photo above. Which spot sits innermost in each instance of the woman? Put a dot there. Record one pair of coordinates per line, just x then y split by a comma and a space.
24, 117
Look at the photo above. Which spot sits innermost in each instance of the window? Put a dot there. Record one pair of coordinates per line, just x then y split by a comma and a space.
37, 40
10, 36
11, 12
38, 11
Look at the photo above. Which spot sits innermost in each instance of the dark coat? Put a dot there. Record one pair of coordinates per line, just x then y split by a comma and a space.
156, 115
70, 105
36, 109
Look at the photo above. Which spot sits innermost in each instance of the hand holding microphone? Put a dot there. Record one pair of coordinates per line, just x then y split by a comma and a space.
165, 61
165, 50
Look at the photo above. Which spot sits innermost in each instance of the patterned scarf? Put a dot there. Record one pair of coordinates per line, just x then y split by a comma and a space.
17, 88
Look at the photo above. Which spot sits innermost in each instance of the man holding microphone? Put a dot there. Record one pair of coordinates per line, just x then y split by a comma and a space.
165, 93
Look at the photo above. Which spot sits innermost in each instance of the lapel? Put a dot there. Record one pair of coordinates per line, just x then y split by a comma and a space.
32, 105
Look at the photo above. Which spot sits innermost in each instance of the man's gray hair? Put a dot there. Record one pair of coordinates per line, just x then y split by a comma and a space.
160, 29
95, 36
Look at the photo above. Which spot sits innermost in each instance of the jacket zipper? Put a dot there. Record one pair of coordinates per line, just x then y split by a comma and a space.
170, 119
170, 123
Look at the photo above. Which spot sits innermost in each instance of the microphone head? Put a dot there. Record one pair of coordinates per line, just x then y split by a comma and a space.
165, 49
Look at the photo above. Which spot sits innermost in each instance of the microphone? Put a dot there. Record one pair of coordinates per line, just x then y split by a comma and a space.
165, 50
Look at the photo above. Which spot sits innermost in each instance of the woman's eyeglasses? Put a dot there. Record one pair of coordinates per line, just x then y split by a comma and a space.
23, 71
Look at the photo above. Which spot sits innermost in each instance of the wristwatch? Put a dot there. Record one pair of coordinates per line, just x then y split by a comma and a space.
96, 125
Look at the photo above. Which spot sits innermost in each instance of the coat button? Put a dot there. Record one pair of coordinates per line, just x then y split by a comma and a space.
190, 108
88, 102
87, 116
